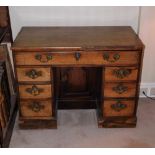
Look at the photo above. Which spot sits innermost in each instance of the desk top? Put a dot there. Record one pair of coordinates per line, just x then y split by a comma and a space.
79, 38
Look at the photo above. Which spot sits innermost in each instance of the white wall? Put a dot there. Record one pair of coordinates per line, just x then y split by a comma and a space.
72, 16
147, 34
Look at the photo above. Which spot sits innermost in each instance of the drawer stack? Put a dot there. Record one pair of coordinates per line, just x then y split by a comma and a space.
120, 91
35, 84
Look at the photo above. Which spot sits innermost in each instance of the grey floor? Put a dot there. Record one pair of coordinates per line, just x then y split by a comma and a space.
78, 128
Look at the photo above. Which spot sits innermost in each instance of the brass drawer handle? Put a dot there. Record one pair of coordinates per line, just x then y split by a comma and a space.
118, 106
36, 106
121, 73
106, 56
120, 88
34, 90
43, 58
33, 74
77, 56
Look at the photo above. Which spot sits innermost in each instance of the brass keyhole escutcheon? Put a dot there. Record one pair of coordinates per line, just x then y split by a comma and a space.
77, 55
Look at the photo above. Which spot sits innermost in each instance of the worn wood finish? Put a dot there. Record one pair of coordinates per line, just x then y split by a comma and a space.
123, 122
5, 26
139, 80
44, 91
79, 87
37, 108
127, 110
111, 76
77, 80
120, 89
38, 124
90, 65
70, 58
33, 74
97, 38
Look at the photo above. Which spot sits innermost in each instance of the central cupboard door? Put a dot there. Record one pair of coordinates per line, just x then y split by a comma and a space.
78, 86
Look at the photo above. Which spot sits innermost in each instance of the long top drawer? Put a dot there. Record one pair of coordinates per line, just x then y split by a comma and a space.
78, 58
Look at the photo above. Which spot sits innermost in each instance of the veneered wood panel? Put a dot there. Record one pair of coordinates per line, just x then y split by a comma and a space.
85, 58
38, 74
90, 37
44, 91
108, 111
111, 73
37, 108
119, 89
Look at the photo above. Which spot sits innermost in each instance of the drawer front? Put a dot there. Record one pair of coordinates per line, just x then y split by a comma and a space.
36, 108
62, 58
35, 91
120, 89
118, 108
33, 74
121, 73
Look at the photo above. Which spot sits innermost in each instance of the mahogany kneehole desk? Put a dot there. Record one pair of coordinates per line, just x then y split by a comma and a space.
77, 68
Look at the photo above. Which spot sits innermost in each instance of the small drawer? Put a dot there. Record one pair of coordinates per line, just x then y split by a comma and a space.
35, 108
123, 57
35, 91
77, 57
119, 89
118, 107
33, 74
120, 73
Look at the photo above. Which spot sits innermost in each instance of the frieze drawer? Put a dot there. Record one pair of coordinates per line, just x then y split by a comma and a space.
77, 57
